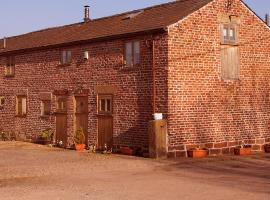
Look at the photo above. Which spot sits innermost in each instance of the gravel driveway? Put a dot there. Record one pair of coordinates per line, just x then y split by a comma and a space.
33, 172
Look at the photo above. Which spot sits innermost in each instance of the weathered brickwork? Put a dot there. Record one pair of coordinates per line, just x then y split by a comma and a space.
40, 71
202, 109
205, 110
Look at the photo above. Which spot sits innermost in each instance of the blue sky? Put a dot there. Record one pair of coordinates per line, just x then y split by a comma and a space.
22, 16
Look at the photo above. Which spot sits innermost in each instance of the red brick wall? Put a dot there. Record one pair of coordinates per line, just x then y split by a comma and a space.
205, 110
39, 71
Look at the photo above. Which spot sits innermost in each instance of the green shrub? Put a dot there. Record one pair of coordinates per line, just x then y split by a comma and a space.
79, 137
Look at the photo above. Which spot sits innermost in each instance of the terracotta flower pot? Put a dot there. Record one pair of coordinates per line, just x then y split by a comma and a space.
242, 151
79, 147
127, 151
267, 148
197, 153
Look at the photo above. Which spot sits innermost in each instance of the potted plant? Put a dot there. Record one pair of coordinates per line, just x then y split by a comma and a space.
243, 150
46, 136
267, 148
197, 153
79, 140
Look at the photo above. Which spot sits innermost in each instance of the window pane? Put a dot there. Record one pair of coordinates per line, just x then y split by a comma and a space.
232, 34
103, 105
64, 57
128, 53
23, 106
45, 108
68, 56
136, 52
2, 101
108, 105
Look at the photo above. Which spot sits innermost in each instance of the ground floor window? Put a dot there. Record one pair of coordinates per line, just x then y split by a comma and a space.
2, 101
45, 108
21, 107
105, 104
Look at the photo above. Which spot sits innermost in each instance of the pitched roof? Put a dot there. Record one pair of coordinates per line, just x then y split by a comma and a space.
148, 19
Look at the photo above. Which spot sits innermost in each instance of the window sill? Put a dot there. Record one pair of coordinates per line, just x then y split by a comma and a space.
45, 116
9, 76
21, 116
64, 65
229, 44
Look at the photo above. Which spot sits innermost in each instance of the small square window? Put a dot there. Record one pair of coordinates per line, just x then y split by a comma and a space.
105, 104
229, 34
66, 57
45, 108
2, 101
61, 104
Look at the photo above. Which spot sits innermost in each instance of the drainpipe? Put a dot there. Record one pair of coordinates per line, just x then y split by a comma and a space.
154, 76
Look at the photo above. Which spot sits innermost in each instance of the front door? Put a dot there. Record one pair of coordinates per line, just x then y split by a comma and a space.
61, 121
81, 115
105, 121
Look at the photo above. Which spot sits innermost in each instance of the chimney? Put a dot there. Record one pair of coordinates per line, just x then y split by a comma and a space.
86, 13
267, 19
4, 42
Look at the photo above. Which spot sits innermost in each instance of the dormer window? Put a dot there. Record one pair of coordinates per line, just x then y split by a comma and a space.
10, 66
66, 57
229, 34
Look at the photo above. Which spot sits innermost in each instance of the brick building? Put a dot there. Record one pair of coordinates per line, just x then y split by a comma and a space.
204, 64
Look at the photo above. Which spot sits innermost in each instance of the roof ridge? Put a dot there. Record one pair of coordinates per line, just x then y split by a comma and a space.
97, 19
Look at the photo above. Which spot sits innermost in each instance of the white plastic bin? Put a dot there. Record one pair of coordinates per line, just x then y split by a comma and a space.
158, 116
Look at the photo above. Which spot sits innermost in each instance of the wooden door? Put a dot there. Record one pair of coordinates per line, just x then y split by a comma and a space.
81, 115
61, 121
105, 121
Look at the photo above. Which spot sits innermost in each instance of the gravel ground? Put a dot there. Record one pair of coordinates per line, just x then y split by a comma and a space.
33, 172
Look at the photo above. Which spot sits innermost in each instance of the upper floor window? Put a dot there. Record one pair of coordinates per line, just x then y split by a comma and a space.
132, 53
10, 66
21, 106
229, 34
66, 57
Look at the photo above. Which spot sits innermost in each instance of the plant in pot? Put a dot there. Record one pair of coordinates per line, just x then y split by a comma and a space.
267, 148
46, 136
197, 152
79, 140
243, 150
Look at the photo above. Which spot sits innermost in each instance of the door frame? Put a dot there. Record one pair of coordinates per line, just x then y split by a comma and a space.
75, 115
102, 114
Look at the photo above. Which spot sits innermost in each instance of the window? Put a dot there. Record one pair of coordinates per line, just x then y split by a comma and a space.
61, 104
21, 105
132, 53
2, 101
229, 34
10, 67
45, 107
66, 57
105, 104
230, 63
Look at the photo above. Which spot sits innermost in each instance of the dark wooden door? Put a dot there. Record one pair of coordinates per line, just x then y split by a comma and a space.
81, 115
105, 131
61, 120
105, 121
